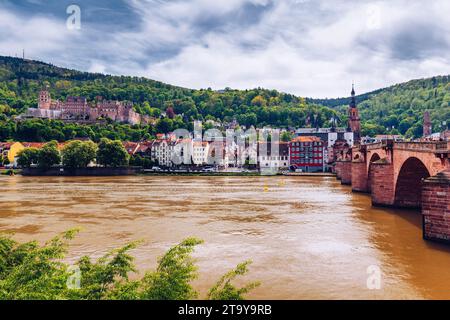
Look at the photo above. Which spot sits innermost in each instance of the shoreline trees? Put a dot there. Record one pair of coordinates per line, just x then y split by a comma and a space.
79, 154
112, 154
76, 155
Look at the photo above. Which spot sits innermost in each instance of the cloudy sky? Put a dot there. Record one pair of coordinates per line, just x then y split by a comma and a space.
310, 48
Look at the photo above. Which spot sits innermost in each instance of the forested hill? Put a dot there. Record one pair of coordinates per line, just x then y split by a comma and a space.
21, 80
399, 108
343, 101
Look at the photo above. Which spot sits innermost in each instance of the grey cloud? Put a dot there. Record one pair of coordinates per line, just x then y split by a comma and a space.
409, 41
306, 47
418, 42
247, 15
105, 15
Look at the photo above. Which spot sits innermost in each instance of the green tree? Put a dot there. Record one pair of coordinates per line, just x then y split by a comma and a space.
172, 279
225, 290
49, 155
164, 125
259, 101
112, 153
28, 157
79, 154
5, 161
286, 136
30, 271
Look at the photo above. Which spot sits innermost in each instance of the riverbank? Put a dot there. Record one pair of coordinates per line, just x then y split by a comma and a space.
202, 174
306, 174
81, 172
133, 171
7, 172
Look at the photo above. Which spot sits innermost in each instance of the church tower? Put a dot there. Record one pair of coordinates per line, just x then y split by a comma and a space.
354, 122
45, 101
427, 125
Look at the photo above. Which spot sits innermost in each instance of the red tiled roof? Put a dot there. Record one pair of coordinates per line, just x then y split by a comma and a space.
306, 139
39, 145
144, 147
131, 147
6, 145
200, 143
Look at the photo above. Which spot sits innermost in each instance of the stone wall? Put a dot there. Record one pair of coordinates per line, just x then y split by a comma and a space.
359, 177
338, 169
346, 173
382, 184
436, 207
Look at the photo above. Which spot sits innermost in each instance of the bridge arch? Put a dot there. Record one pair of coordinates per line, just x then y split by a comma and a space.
408, 187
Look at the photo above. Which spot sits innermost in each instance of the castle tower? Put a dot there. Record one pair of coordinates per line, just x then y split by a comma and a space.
354, 122
427, 125
45, 100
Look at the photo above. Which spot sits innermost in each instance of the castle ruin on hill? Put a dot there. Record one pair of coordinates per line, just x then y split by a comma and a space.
79, 109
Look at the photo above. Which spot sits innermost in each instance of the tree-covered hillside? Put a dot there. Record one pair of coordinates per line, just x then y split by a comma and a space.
21, 80
398, 109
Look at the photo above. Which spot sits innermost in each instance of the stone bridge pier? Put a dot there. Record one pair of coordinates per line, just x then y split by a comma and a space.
436, 203
393, 172
404, 175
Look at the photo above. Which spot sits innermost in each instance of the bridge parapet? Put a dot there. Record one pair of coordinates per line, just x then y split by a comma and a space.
373, 146
418, 146
443, 147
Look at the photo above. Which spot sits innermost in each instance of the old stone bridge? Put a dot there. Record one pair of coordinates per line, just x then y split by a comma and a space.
403, 175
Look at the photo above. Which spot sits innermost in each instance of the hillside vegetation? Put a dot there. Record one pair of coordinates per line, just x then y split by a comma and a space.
20, 82
401, 106
399, 109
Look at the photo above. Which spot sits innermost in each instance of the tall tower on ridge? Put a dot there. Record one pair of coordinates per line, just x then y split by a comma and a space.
45, 100
354, 122
427, 125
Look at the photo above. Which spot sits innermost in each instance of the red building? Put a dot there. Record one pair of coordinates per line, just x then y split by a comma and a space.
307, 154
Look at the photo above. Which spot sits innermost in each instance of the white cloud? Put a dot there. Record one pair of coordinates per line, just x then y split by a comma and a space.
38, 34
97, 67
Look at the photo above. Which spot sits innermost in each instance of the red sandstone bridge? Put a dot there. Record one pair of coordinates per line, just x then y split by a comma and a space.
403, 175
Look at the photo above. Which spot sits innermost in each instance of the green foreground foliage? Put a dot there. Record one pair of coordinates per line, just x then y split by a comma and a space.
29, 271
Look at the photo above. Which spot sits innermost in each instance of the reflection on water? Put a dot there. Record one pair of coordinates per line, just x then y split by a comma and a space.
309, 238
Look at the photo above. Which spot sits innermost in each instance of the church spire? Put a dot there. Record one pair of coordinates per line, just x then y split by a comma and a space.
353, 101
354, 122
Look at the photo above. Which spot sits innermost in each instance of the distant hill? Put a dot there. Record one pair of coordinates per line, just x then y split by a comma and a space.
21, 80
401, 106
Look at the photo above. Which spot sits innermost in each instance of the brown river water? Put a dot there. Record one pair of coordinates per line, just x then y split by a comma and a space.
308, 237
